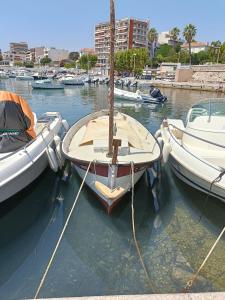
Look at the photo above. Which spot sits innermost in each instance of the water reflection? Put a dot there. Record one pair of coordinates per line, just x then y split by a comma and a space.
97, 256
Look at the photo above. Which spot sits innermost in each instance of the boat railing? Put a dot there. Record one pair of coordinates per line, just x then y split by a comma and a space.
197, 137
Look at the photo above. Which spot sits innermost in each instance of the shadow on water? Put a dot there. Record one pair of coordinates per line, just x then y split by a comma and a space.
25, 221
192, 230
99, 256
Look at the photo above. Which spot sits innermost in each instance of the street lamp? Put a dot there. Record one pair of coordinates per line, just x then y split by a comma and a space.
134, 55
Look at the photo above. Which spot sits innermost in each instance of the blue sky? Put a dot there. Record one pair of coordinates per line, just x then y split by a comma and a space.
70, 24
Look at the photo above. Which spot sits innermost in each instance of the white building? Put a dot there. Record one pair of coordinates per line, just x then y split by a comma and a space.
196, 47
164, 38
57, 54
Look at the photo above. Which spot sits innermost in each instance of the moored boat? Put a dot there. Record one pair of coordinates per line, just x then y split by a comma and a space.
134, 148
195, 152
46, 84
110, 150
24, 76
137, 96
27, 146
71, 80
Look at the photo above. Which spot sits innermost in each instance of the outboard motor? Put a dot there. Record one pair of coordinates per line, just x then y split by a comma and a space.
155, 93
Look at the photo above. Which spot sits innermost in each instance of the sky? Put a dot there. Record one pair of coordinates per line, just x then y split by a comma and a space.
69, 24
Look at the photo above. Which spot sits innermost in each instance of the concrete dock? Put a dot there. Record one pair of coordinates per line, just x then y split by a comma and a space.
189, 296
198, 86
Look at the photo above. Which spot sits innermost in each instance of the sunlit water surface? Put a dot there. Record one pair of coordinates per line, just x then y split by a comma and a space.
97, 255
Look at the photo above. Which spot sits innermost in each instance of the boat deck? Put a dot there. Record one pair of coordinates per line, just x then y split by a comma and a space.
91, 141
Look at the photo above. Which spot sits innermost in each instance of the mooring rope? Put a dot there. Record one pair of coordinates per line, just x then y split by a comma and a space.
134, 230
61, 235
192, 280
216, 180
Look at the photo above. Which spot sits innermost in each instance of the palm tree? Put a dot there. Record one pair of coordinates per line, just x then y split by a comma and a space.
189, 34
215, 49
152, 38
174, 33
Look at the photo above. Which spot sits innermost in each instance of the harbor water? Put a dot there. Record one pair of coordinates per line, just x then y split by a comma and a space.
175, 225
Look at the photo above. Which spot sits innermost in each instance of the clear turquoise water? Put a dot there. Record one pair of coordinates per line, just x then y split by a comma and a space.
97, 255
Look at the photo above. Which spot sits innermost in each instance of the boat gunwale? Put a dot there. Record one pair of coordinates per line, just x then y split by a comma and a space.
99, 113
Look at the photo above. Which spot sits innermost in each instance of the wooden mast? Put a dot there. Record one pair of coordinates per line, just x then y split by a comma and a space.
111, 77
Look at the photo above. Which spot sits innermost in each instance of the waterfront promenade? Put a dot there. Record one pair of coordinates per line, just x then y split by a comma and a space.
198, 86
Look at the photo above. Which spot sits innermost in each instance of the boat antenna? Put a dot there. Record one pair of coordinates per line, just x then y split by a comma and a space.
111, 77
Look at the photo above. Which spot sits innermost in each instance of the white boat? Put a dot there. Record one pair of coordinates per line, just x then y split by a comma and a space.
24, 76
3, 75
21, 167
71, 80
138, 96
87, 141
46, 84
196, 152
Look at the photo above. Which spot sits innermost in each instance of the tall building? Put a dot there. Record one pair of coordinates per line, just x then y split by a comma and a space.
130, 33
21, 47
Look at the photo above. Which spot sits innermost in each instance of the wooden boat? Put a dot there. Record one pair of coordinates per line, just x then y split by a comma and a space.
114, 146
195, 152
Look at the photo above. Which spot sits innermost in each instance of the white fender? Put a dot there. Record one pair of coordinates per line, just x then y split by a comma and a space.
57, 140
160, 141
60, 157
65, 125
158, 133
52, 160
166, 151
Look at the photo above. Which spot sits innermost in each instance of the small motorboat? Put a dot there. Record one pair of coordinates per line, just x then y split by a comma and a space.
27, 145
137, 96
46, 84
71, 80
3, 75
39, 76
24, 76
195, 152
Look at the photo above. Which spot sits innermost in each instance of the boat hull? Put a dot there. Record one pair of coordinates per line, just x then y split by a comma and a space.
194, 180
27, 177
123, 179
20, 168
189, 164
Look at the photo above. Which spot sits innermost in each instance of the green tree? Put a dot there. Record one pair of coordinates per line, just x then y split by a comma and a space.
87, 61
45, 60
28, 64
131, 61
174, 33
74, 55
215, 50
152, 38
18, 63
189, 34
1, 56
222, 53
165, 50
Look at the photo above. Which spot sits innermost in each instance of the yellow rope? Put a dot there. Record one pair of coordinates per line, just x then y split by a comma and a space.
61, 235
134, 231
192, 280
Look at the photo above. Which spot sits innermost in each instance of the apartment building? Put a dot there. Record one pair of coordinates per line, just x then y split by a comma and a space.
21, 47
130, 33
